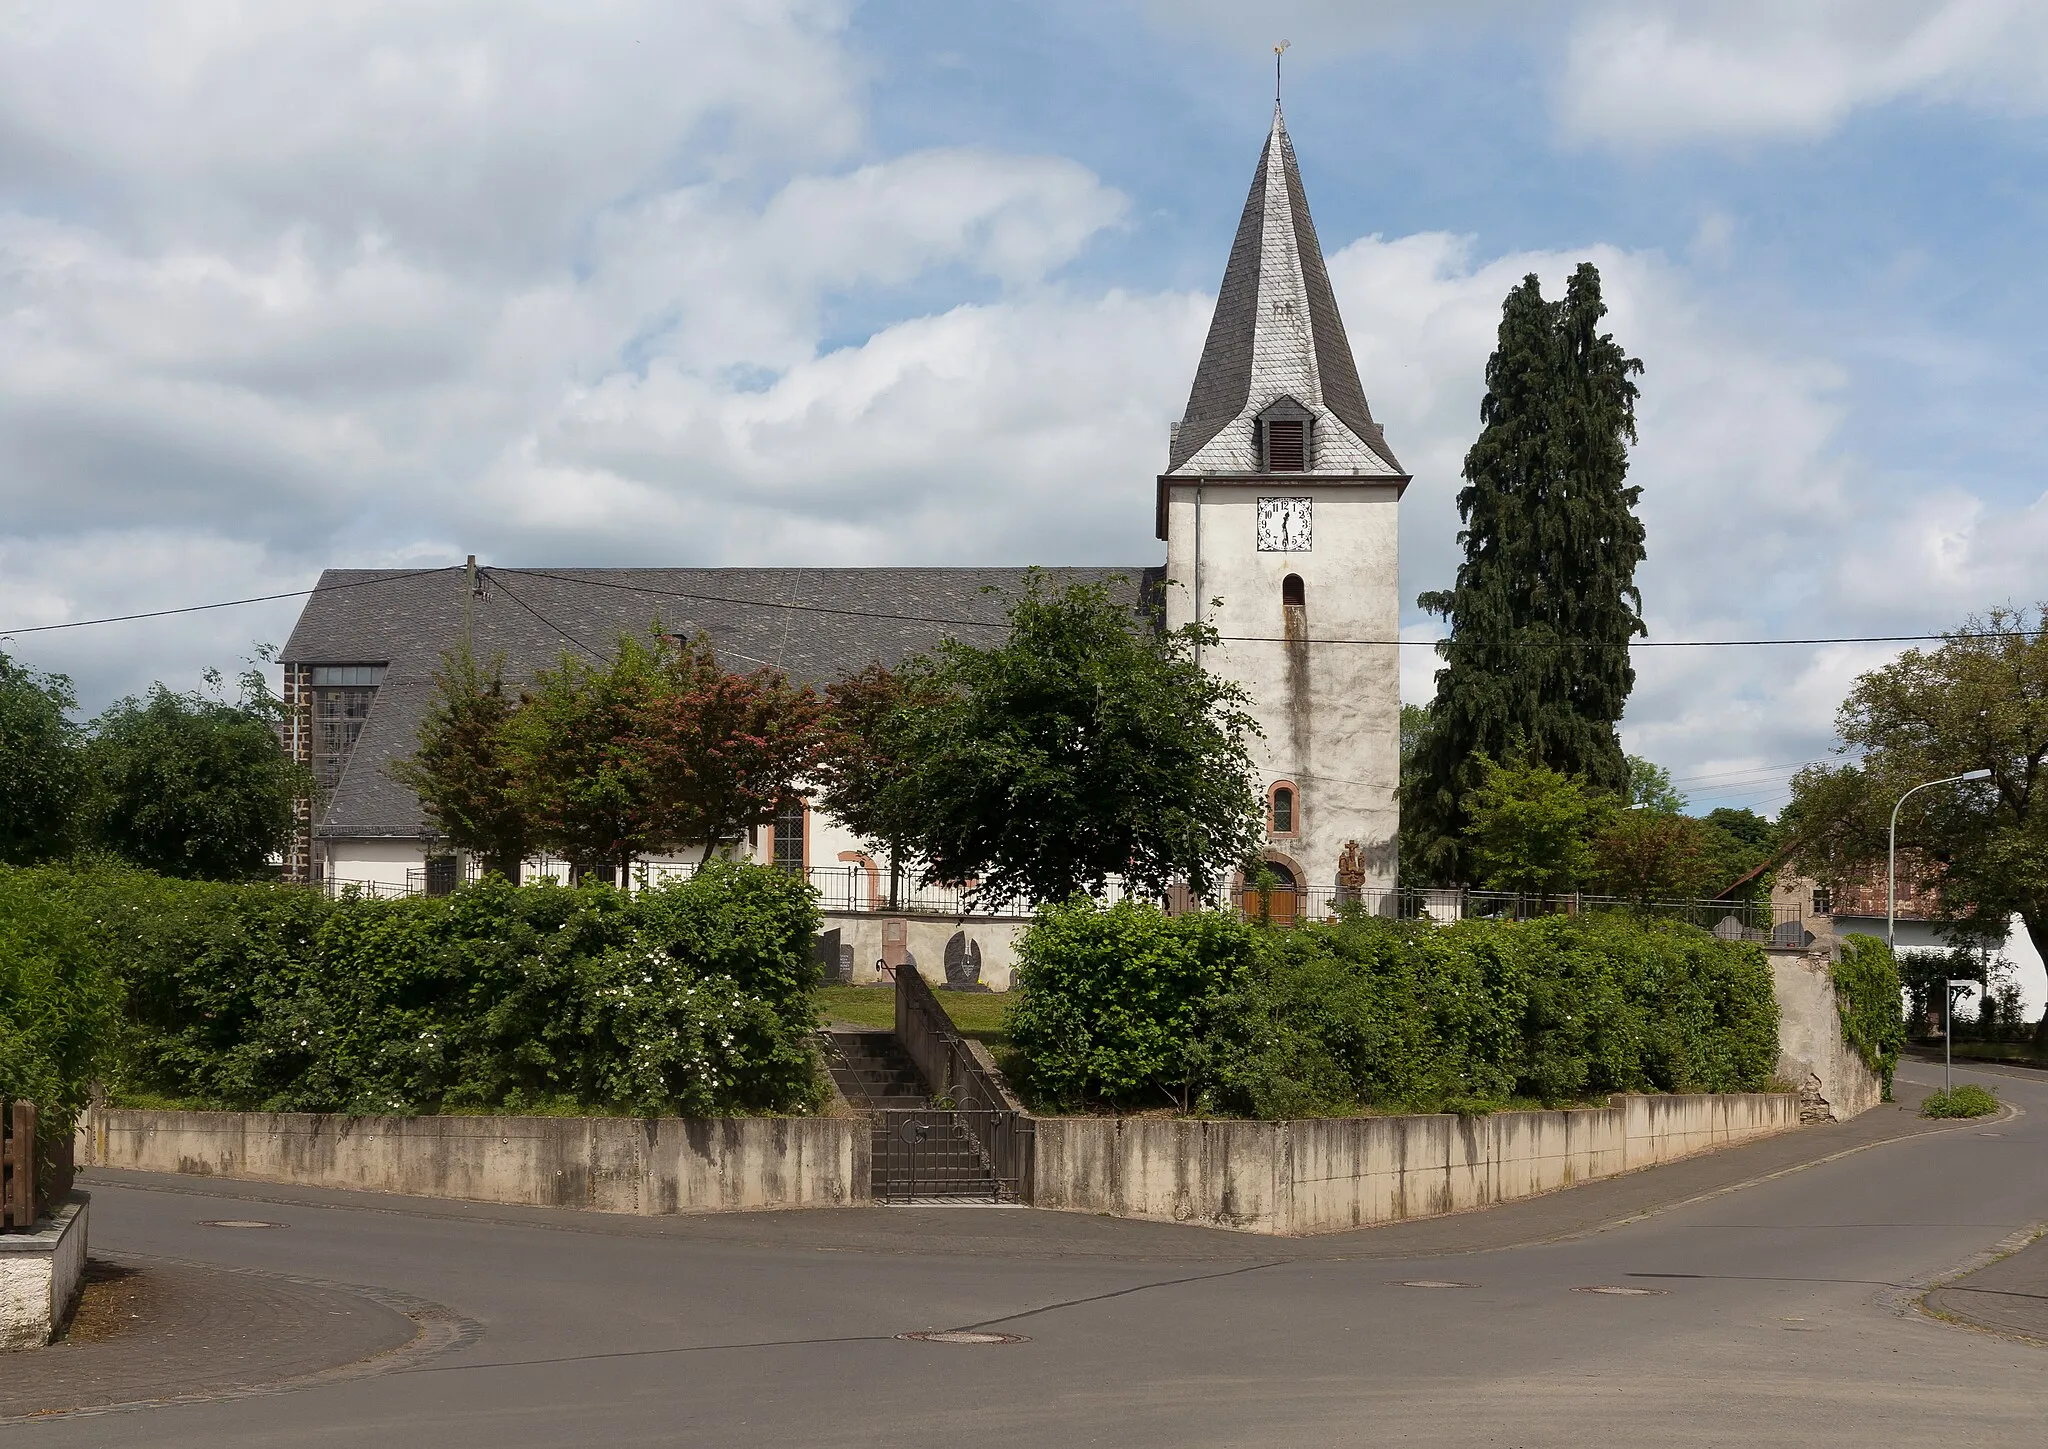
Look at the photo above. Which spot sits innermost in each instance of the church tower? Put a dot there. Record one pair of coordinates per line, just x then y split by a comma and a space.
1280, 507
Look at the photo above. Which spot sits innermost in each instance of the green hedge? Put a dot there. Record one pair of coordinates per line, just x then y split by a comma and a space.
59, 1007
1868, 993
1368, 1014
691, 998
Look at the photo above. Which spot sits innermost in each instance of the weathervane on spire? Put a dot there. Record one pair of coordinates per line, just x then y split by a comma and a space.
1276, 70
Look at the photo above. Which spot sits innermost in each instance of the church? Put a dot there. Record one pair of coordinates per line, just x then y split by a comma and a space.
1279, 510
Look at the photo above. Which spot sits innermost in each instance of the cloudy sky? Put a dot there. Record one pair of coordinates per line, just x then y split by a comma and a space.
813, 282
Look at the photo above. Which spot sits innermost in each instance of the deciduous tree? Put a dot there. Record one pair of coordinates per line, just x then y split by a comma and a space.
462, 770
1087, 746
724, 751
1979, 701
191, 784
576, 752
1530, 826
40, 775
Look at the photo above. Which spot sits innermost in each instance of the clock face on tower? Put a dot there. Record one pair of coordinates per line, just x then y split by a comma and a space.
1284, 525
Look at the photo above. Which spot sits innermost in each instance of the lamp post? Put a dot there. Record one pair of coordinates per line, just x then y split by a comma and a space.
1891, 869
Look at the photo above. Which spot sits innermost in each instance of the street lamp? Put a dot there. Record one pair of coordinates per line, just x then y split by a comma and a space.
1891, 869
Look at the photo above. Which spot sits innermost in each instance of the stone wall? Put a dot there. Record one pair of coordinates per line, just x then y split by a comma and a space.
983, 948
41, 1274
1831, 1079
608, 1164
1328, 1174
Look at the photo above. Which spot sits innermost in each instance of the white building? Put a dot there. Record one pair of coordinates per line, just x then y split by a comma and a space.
1279, 509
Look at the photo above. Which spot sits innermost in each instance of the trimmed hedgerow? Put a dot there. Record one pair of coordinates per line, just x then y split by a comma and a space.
59, 1007
691, 998
1868, 993
1368, 1014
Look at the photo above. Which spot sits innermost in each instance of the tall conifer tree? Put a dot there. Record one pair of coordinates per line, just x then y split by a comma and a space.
1546, 601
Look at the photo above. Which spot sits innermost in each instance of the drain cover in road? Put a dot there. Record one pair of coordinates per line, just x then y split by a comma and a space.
1615, 1290
1436, 1283
964, 1335
237, 1223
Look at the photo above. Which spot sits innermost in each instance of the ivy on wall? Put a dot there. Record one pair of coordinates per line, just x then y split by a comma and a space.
1868, 993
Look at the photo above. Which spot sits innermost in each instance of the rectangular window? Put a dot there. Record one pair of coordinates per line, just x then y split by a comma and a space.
339, 674
789, 836
339, 713
1286, 446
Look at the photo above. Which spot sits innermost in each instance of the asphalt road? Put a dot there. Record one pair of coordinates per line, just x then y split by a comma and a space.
1774, 1314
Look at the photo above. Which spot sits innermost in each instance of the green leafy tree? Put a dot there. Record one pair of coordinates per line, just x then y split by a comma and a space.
462, 770
1650, 788
1979, 701
577, 755
866, 776
1530, 826
1545, 601
1740, 846
1649, 855
1087, 746
191, 784
724, 751
40, 776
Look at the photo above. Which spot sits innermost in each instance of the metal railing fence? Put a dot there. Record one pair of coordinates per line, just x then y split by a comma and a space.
854, 888
964, 1081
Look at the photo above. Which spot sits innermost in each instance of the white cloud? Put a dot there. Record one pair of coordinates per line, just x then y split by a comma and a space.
255, 355
482, 131
1641, 75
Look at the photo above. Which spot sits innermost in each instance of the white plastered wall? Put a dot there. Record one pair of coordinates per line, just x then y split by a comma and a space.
1330, 710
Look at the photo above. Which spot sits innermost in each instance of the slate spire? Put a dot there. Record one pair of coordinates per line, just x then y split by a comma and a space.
1276, 334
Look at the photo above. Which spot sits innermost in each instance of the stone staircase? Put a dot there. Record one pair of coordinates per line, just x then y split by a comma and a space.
920, 1152
872, 1071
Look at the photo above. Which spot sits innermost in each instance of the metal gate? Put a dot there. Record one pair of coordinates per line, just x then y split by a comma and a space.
942, 1152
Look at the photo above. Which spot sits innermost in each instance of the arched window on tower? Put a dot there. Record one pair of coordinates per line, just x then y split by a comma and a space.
1283, 810
1293, 593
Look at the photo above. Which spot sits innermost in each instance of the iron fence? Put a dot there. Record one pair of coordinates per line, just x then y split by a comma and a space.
854, 888
964, 1080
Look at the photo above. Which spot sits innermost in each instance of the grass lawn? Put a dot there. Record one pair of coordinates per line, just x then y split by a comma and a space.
977, 1014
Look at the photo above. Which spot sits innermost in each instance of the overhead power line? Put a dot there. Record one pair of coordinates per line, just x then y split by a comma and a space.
228, 603
953, 622
1229, 638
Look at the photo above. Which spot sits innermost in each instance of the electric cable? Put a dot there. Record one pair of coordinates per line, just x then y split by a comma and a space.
382, 578
700, 597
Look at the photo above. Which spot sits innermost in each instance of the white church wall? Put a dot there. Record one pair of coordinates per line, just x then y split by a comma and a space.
378, 862
1330, 711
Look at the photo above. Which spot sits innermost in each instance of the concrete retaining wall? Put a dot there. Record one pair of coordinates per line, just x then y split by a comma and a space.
1829, 1075
1324, 1175
608, 1164
40, 1275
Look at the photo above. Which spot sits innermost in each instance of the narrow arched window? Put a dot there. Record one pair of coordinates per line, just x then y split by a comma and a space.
1293, 593
1283, 811
789, 836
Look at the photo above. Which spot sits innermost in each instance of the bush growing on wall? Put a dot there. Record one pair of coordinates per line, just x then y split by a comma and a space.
1869, 996
691, 998
1397, 1015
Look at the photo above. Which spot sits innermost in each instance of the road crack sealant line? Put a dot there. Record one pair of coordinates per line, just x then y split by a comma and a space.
437, 1329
